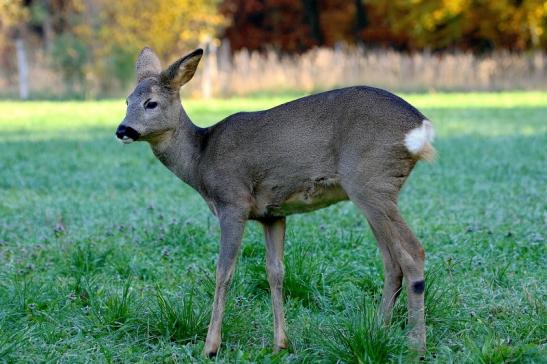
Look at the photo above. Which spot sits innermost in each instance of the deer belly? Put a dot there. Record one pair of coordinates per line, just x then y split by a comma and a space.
310, 199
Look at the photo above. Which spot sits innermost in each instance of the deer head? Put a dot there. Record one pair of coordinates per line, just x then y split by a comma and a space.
153, 108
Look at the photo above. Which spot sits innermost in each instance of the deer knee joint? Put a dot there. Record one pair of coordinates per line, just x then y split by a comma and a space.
224, 277
275, 273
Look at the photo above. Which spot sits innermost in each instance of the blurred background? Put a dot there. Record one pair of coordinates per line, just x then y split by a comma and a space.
105, 256
52, 49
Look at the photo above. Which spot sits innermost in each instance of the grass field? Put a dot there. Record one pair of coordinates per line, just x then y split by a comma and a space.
107, 257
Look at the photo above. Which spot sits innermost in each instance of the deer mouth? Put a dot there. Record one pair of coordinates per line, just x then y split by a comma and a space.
127, 134
126, 140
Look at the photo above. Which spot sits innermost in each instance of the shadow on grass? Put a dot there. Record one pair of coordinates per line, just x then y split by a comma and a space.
356, 332
181, 319
357, 335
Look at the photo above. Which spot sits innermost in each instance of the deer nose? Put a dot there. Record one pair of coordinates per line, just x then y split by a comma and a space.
120, 132
126, 131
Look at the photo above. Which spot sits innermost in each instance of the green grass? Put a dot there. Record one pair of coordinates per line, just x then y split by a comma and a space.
106, 257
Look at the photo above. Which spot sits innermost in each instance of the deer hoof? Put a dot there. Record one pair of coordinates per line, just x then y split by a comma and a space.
211, 354
279, 347
210, 350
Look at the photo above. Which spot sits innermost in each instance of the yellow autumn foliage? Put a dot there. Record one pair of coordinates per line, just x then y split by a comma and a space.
12, 14
168, 26
439, 23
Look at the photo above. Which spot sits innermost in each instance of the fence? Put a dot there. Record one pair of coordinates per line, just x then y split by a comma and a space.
245, 73
319, 69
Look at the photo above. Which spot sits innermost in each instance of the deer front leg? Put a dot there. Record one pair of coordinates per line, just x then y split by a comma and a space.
232, 224
274, 232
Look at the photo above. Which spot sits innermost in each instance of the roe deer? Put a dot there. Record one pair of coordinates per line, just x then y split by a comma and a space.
356, 143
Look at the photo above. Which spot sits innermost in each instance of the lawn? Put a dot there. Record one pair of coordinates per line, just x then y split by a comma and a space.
107, 257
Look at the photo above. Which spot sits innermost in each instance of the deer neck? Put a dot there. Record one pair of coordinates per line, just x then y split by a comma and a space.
178, 149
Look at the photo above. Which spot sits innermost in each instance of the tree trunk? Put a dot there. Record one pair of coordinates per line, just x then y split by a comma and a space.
361, 20
22, 67
48, 27
311, 12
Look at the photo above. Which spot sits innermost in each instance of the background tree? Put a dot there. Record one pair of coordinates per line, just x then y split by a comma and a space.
287, 25
92, 44
465, 24
170, 27
476, 25
12, 15
12, 38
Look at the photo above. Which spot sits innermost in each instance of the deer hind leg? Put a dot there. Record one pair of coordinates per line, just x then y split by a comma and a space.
393, 277
274, 232
401, 251
413, 254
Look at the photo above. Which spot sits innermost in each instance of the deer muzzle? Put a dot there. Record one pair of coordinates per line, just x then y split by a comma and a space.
127, 134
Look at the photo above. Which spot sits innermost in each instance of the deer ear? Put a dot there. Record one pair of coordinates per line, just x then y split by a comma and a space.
147, 65
182, 70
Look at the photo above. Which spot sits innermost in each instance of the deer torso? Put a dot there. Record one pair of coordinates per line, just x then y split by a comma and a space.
288, 159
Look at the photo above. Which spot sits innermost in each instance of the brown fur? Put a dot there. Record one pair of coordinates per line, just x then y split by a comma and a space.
428, 153
296, 157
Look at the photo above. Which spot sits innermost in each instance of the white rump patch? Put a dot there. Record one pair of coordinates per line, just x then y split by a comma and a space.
418, 141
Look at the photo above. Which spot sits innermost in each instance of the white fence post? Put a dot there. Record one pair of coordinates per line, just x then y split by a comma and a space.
210, 70
22, 67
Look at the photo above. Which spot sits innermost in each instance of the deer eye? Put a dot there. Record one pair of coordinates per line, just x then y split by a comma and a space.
149, 105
